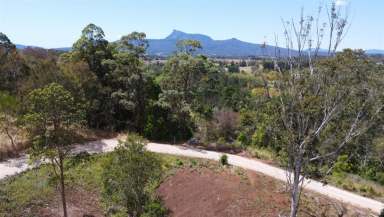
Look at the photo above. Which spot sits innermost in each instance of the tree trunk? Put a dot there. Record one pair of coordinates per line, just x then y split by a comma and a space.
62, 185
13, 142
7, 129
140, 108
295, 189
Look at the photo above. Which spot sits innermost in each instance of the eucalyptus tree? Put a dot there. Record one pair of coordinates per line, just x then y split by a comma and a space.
95, 50
190, 82
190, 87
6, 46
324, 103
188, 46
51, 120
12, 67
129, 81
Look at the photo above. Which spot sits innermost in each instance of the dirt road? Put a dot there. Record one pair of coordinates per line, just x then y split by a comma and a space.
17, 165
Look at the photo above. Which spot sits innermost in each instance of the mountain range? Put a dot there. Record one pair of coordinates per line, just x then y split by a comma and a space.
210, 47
213, 48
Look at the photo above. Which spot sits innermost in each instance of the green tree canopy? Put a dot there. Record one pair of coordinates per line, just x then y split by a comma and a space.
51, 120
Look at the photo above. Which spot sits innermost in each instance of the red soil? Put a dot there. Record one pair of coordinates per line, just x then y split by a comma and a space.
208, 193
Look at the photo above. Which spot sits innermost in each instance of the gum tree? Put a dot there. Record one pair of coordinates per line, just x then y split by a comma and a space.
51, 119
325, 103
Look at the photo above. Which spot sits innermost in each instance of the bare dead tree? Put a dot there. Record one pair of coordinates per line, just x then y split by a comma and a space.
8, 118
318, 103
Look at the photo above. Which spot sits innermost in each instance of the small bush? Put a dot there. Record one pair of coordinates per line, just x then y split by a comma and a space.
127, 176
342, 164
224, 160
221, 142
368, 190
242, 138
154, 209
193, 163
79, 158
348, 186
179, 162
380, 177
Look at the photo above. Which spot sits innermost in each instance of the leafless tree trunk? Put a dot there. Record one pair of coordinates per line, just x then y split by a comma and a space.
9, 128
300, 124
62, 184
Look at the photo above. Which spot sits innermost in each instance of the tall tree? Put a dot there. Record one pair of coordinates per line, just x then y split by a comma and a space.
6, 46
324, 105
12, 67
188, 46
96, 51
129, 80
51, 121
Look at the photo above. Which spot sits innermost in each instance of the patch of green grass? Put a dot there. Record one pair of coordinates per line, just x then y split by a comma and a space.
22, 195
262, 153
357, 184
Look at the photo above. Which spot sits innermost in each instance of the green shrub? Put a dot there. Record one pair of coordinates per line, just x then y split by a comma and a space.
242, 138
342, 165
162, 125
368, 173
80, 158
348, 186
154, 209
193, 163
368, 190
258, 137
380, 177
179, 162
128, 175
221, 141
224, 160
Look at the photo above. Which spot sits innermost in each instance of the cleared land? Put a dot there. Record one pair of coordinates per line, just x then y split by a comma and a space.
227, 193
191, 187
12, 167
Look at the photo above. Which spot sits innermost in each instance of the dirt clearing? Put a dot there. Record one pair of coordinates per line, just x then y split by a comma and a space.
208, 193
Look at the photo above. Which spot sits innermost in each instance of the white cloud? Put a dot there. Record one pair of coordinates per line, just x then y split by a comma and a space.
341, 2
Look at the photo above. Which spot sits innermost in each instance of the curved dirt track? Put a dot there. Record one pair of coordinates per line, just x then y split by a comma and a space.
17, 165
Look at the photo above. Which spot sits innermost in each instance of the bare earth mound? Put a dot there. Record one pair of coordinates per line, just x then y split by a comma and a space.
208, 193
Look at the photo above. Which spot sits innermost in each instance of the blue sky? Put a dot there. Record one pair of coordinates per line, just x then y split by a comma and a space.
58, 23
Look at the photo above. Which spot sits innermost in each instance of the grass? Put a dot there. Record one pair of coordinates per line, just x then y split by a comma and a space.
262, 153
26, 193
358, 184
23, 193
349, 182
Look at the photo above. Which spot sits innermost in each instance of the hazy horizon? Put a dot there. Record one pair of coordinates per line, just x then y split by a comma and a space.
58, 23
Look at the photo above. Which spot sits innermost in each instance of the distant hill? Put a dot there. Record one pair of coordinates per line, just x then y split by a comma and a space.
375, 52
21, 47
213, 48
